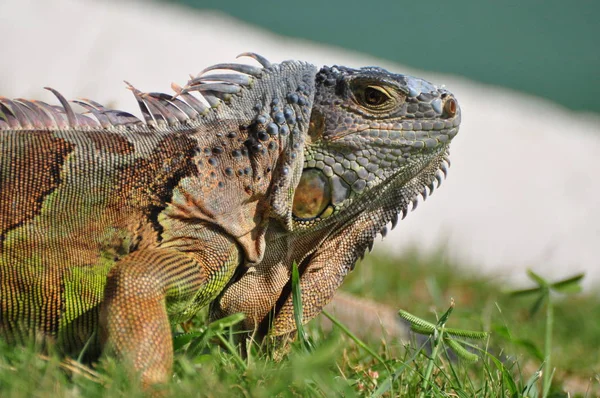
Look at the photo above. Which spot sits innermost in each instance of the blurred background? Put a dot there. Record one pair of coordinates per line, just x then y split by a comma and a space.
547, 48
522, 191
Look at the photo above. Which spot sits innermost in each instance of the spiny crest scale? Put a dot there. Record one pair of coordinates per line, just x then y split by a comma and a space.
158, 109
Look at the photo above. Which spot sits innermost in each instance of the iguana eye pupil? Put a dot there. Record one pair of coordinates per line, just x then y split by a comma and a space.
313, 195
374, 96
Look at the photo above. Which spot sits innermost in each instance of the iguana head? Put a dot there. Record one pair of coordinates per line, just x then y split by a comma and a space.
371, 132
375, 142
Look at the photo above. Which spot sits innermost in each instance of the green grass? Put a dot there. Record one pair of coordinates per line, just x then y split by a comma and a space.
209, 363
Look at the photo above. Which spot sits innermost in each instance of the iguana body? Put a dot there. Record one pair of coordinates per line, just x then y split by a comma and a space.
111, 228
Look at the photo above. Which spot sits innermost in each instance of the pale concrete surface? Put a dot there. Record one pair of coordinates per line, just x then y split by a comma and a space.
522, 189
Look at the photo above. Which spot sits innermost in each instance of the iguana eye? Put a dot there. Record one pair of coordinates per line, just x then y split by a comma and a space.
313, 195
375, 96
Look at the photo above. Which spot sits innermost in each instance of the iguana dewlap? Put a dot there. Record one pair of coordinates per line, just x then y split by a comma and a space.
111, 228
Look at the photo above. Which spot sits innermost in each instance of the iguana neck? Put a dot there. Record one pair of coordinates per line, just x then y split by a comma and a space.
242, 176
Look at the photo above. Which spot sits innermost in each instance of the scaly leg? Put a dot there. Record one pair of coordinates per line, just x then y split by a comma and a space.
149, 289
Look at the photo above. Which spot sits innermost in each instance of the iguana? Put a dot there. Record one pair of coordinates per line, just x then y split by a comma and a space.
112, 229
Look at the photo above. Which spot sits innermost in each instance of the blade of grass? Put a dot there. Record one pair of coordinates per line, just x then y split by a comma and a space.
233, 351
438, 337
568, 285
297, 303
548, 372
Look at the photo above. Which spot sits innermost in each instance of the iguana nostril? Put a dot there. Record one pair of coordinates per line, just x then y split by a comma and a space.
450, 107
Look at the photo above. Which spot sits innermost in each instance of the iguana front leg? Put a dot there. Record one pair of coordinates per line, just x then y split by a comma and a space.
263, 292
321, 274
150, 289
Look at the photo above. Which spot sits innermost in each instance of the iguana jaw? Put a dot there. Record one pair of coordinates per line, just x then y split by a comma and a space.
400, 193
389, 201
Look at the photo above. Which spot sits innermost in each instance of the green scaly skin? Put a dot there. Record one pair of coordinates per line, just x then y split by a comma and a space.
112, 229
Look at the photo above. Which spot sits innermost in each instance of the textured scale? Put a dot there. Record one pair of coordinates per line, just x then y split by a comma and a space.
113, 228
